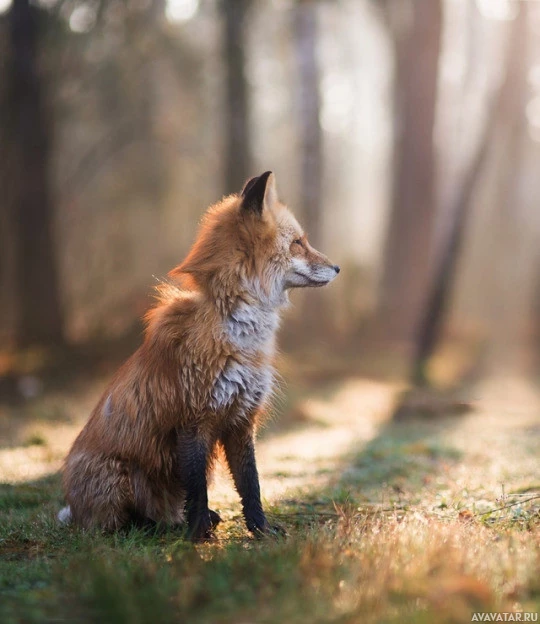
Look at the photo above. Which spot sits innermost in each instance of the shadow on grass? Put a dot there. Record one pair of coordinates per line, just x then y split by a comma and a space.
51, 573
55, 573
396, 469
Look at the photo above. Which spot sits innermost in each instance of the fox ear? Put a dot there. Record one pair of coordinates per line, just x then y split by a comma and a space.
259, 192
248, 186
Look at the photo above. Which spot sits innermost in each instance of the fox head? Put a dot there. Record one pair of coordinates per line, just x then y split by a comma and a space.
250, 243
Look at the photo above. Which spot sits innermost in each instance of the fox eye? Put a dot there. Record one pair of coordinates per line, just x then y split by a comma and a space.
297, 241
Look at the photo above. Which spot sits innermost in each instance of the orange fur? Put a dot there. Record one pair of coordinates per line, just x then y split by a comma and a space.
199, 367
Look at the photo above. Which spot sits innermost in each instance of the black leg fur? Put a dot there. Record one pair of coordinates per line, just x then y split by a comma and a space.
192, 463
240, 453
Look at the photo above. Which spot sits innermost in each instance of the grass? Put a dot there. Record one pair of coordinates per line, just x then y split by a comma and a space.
399, 528
397, 567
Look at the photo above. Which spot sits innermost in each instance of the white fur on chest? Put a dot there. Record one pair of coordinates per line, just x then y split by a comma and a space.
249, 329
242, 386
252, 328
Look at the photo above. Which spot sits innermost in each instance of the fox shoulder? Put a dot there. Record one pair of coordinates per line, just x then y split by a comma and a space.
172, 310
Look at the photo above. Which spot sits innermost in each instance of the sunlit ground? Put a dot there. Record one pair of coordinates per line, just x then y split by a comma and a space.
426, 517
310, 445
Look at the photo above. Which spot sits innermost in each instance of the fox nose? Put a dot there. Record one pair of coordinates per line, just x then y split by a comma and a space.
336, 268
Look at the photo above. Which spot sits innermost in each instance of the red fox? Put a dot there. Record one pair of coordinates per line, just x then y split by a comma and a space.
201, 378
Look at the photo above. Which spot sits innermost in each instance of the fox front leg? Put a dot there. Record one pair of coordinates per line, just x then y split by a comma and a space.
240, 453
192, 464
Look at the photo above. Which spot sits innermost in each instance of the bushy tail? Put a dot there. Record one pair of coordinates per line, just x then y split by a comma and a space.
64, 515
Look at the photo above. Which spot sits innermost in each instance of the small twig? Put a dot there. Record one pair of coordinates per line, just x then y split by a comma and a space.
520, 502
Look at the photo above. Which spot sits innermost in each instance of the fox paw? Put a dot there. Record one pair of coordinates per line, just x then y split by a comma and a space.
268, 530
203, 527
215, 518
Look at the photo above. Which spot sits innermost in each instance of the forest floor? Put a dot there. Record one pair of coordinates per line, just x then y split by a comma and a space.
399, 507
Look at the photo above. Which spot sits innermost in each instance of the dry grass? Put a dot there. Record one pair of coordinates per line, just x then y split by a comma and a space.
388, 521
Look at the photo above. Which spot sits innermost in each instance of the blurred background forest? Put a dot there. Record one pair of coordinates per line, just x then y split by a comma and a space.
405, 134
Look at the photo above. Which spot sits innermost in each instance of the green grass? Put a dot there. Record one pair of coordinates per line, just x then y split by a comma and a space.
402, 532
343, 561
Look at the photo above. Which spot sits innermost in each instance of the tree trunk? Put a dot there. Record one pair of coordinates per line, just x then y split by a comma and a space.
443, 280
305, 39
238, 159
507, 107
510, 263
39, 315
408, 246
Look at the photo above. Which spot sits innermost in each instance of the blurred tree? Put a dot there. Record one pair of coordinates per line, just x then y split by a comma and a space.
506, 112
238, 156
305, 33
123, 84
510, 263
7, 262
39, 317
415, 27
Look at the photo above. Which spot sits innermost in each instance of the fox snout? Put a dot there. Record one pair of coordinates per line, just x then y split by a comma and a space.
322, 274
311, 270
